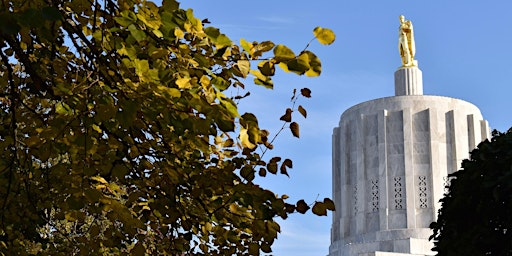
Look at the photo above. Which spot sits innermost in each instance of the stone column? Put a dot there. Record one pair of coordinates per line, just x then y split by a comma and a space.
408, 81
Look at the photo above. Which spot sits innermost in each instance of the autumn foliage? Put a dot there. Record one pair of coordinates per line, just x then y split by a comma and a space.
118, 136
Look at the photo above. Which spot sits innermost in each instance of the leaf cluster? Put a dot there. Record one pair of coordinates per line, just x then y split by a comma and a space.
118, 136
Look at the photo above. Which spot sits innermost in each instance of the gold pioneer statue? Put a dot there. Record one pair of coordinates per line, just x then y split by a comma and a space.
406, 45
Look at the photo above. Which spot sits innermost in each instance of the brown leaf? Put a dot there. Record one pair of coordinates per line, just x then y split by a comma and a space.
283, 170
329, 204
319, 209
272, 167
294, 127
262, 172
303, 111
290, 208
306, 92
287, 117
287, 163
302, 207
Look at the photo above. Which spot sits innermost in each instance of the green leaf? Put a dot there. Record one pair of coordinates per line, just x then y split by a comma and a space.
283, 53
254, 135
63, 109
298, 65
258, 49
324, 35
261, 79
220, 40
170, 5
169, 92
138, 34
315, 66
220, 83
141, 67
266, 68
126, 19
230, 106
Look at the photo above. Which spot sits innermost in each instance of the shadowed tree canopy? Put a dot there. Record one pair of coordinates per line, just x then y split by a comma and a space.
476, 213
118, 136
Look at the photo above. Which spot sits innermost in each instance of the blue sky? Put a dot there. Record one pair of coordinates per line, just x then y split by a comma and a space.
463, 48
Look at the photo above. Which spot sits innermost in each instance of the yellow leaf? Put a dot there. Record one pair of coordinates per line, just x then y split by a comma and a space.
245, 45
183, 83
179, 33
158, 33
244, 66
244, 138
97, 128
205, 81
99, 179
283, 53
324, 35
169, 92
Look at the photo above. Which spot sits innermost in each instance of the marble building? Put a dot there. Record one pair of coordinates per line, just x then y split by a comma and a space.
391, 158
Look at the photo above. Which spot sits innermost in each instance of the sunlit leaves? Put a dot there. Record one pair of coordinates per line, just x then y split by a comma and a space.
126, 18
266, 68
220, 40
183, 83
63, 109
168, 92
122, 123
244, 66
306, 63
283, 53
324, 35
138, 34
262, 80
244, 139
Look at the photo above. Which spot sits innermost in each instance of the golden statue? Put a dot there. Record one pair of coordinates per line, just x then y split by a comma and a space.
406, 45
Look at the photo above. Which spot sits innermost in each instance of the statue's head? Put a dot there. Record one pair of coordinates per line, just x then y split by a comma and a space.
401, 18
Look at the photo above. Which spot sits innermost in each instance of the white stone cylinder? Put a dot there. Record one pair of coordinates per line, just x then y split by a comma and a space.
391, 159
408, 81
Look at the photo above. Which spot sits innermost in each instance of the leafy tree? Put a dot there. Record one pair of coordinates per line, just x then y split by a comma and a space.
118, 136
476, 213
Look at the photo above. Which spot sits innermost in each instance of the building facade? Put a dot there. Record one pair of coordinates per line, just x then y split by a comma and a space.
391, 161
